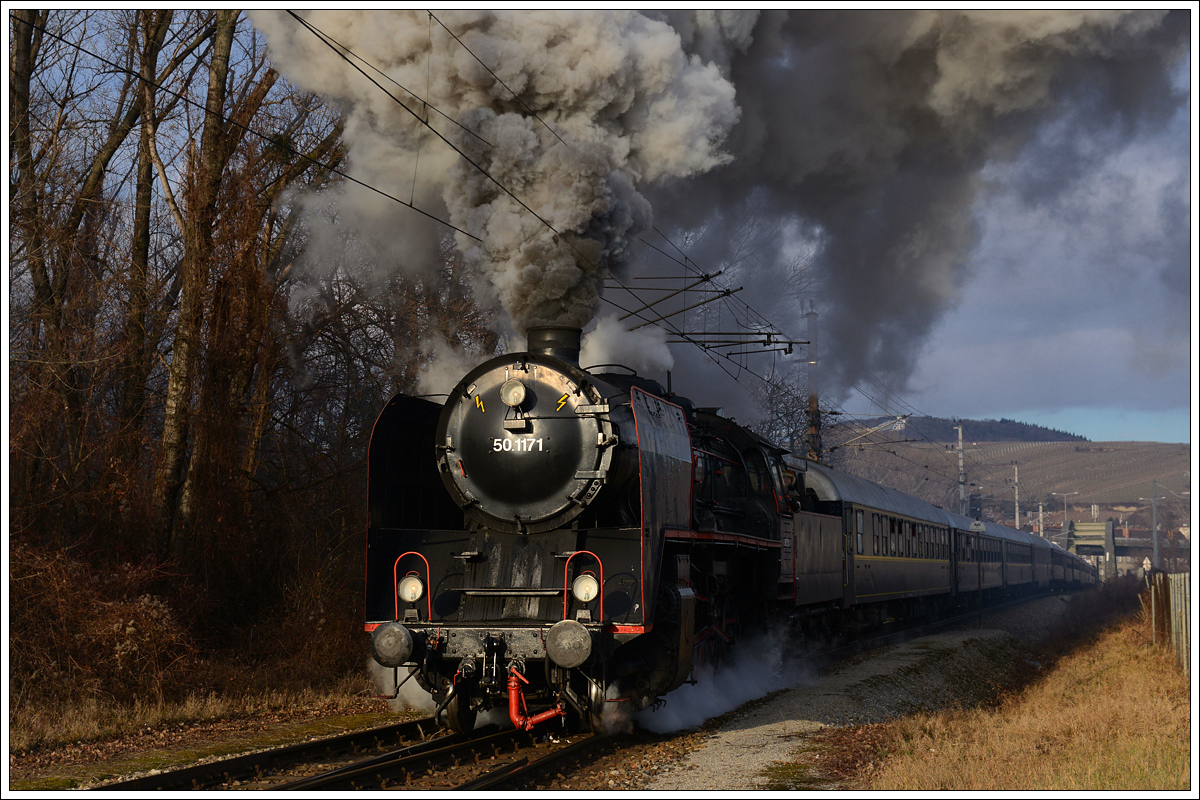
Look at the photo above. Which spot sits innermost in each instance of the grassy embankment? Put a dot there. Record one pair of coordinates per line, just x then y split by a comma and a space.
97, 654
1113, 713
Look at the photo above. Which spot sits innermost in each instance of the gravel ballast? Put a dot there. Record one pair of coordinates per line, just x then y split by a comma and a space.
959, 667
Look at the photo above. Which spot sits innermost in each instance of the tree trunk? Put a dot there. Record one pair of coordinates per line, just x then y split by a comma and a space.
203, 181
136, 337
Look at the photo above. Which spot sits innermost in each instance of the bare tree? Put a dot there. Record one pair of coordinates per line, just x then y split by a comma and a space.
180, 384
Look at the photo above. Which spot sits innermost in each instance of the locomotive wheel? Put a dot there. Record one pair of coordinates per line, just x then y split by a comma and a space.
460, 714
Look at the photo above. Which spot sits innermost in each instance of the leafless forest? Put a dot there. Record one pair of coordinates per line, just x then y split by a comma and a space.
189, 408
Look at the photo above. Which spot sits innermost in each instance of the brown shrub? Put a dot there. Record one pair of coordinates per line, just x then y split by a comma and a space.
80, 631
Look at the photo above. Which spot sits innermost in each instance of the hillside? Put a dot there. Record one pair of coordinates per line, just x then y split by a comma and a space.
1112, 475
936, 429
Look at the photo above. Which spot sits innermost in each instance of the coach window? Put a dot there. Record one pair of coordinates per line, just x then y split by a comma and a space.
875, 529
858, 525
892, 535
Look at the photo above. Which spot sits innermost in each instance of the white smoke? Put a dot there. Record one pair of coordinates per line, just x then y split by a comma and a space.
756, 668
610, 342
445, 366
411, 697
605, 103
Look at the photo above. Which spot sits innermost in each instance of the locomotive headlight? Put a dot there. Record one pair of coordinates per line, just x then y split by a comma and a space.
512, 393
410, 588
586, 587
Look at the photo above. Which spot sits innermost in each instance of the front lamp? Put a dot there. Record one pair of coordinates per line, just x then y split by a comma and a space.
585, 588
410, 589
512, 393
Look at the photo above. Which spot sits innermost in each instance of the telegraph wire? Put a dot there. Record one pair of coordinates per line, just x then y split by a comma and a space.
423, 100
329, 43
497, 77
333, 45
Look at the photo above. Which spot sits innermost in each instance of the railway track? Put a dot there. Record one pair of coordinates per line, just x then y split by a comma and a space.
417, 755
406, 755
489, 761
255, 766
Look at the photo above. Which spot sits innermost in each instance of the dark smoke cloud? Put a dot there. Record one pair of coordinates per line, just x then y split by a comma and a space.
875, 128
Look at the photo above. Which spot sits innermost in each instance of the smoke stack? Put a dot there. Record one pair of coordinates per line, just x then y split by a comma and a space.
555, 340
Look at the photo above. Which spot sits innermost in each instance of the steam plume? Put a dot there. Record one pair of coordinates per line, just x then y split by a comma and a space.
759, 667
604, 103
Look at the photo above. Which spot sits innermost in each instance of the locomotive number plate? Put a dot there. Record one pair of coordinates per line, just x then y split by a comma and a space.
516, 445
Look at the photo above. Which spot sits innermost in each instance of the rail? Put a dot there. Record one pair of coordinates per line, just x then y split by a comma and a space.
1170, 608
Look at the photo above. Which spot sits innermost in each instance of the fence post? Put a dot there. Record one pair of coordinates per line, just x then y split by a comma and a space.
1153, 609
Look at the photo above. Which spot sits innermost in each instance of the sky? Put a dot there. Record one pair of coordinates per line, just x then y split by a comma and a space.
1080, 313
990, 211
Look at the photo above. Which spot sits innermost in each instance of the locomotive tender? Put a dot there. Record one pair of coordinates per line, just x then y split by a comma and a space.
577, 541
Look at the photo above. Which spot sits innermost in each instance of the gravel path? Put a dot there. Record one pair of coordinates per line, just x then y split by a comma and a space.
932, 672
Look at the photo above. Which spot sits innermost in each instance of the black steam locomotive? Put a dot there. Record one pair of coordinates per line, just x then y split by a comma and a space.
575, 541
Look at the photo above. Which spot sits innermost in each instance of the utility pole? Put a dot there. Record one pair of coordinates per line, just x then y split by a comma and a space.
814, 413
1016, 482
1154, 507
962, 476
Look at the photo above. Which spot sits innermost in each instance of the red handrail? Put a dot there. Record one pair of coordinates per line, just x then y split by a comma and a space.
567, 585
396, 586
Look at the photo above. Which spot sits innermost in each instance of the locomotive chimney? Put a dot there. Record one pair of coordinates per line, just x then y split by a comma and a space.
558, 341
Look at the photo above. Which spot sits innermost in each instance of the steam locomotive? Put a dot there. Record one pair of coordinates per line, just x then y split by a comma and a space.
567, 542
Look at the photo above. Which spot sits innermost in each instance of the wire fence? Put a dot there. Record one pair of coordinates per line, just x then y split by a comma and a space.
1170, 609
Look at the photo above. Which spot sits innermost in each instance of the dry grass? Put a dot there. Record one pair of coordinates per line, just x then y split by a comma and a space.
47, 726
1114, 715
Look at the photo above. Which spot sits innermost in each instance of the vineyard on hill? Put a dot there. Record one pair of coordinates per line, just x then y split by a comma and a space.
1116, 476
